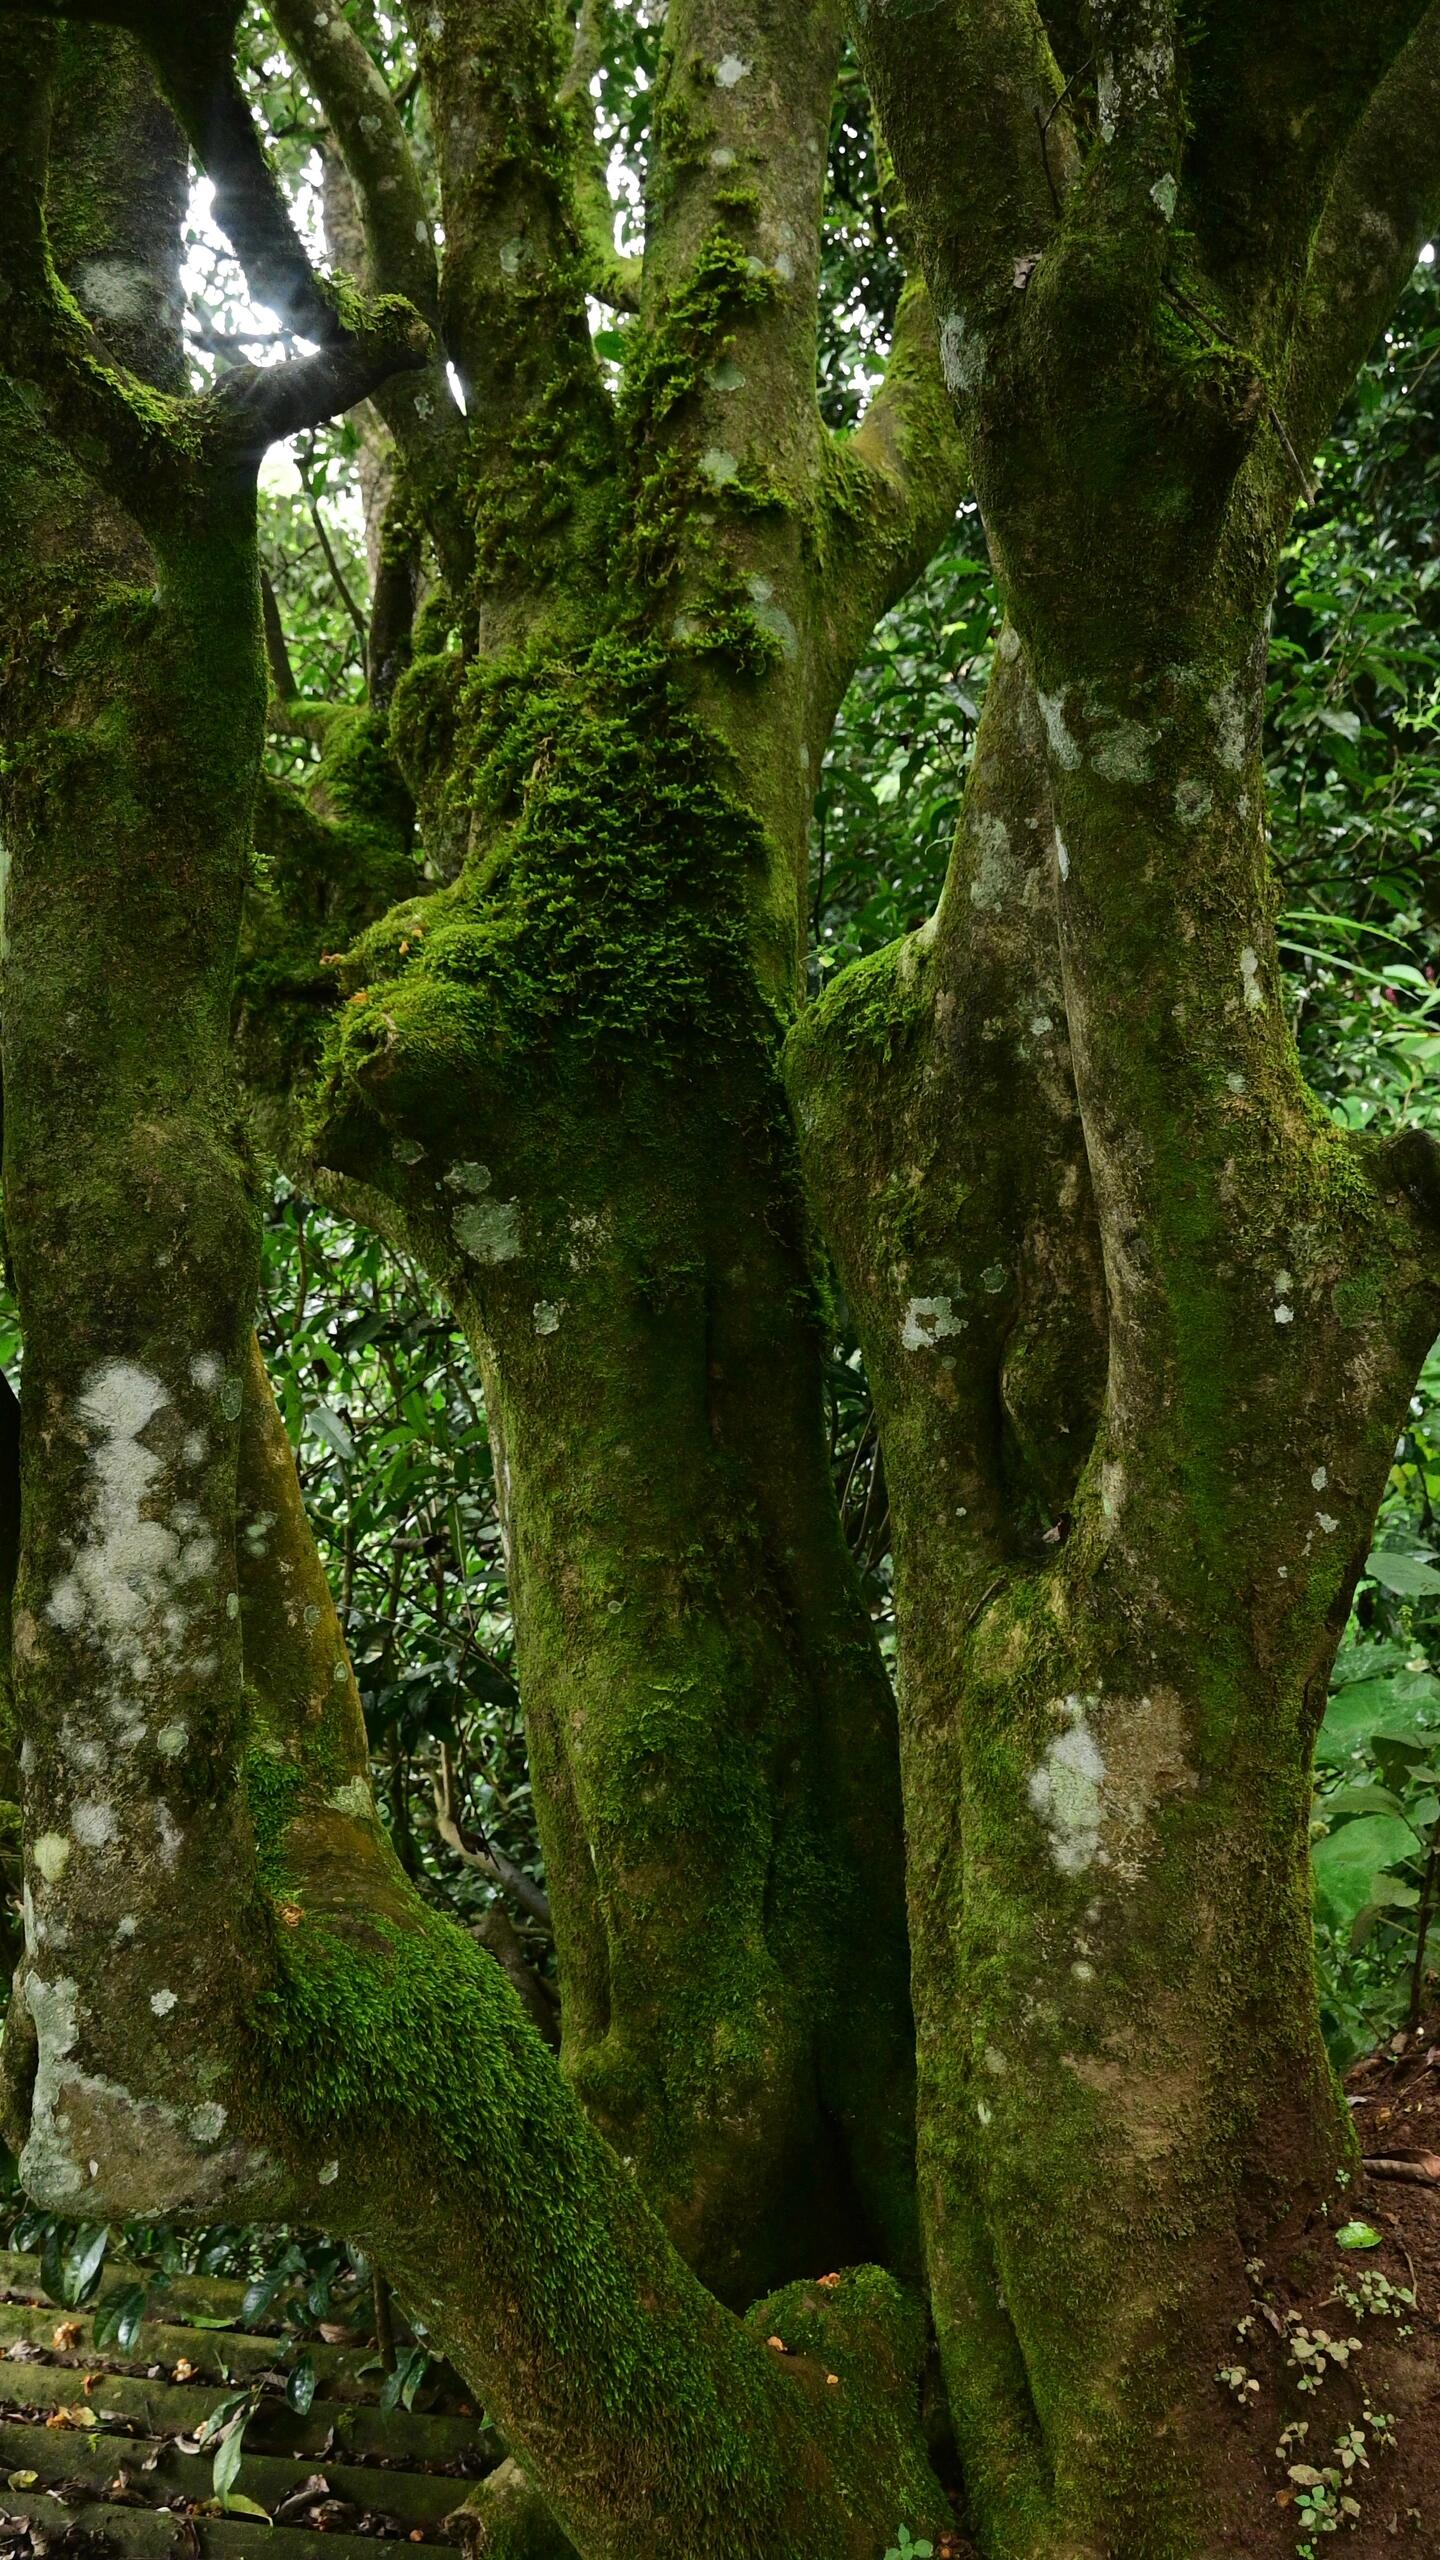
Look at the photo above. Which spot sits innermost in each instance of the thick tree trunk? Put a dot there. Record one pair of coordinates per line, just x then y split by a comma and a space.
1114, 1643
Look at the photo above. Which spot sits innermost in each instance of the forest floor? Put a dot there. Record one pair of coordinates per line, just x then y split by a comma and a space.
1336, 2382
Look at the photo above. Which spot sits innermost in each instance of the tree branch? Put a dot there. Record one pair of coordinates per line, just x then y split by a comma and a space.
979, 75
613, 279
906, 477
366, 123
1383, 205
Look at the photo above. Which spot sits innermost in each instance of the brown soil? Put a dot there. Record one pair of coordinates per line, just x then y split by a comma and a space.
1395, 2370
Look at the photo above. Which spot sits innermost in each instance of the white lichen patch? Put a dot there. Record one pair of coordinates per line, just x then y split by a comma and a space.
718, 466
1063, 746
730, 70
992, 873
1320, 1477
162, 2002
772, 617
1251, 988
1327, 1522
328, 2175
207, 2121
1065, 1789
51, 1855
1095, 1788
472, 1179
135, 1579
545, 1316
1163, 195
488, 1230
205, 1372
1062, 858
1193, 801
1284, 1312
962, 354
93, 1824
354, 1798
168, 1833
927, 1321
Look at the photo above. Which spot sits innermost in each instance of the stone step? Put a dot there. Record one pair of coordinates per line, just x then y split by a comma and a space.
176, 2297
162, 2407
156, 2533
214, 2355
93, 2459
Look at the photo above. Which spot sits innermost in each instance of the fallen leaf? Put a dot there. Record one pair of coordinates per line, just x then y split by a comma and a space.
66, 2335
778, 2344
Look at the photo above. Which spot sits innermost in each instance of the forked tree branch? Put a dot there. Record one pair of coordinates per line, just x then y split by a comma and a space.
1383, 205
151, 445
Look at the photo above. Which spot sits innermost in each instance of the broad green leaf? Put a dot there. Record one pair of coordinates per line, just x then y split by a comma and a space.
1410, 1577
1349, 1860
1358, 2235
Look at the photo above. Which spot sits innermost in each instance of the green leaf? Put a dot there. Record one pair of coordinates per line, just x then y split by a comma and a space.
329, 1427
1348, 1862
227, 2460
1410, 1577
300, 2389
236, 2505
1352, 1800
1358, 2235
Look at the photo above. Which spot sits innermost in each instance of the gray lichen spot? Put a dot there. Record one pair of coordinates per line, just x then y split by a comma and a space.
1250, 979
1227, 710
726, 375
232, 1396
718, 466
1163, 195
927, 1321
354, 1798
162, 2002
115, 289
1122, 753
545, 1316
93, 1824
962, 354
771, 616
207, 2122
1062, 858
992, 873
489, 1230
1193, 801
328, 2175
730, 71
172, 1738
472, 1179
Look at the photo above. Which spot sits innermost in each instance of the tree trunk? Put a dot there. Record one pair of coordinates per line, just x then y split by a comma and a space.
1114, 1643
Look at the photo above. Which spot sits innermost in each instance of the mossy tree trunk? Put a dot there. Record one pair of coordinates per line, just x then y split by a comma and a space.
1140, 1323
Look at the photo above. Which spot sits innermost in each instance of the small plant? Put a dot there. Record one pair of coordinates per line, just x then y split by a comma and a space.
1242, 2386
1372, 2296
904, 2549
1314, 2351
